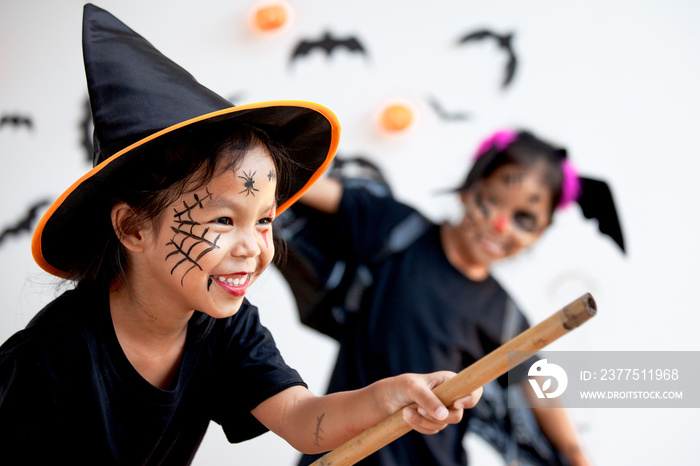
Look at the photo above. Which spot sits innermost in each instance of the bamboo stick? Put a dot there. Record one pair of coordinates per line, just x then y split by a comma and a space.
486, 369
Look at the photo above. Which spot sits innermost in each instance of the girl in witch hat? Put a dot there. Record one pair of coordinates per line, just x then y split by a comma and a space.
164, 237
435, 281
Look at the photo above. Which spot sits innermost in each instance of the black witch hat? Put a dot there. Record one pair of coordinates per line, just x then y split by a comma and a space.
138, 96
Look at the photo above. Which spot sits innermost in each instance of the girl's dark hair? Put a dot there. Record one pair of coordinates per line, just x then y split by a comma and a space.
174, 165
526, 150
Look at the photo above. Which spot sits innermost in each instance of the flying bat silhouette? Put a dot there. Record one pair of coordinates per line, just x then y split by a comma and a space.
16, 120
87, 128
504, 42
444, 114
26, 223
328, 44
596, 202
235, 98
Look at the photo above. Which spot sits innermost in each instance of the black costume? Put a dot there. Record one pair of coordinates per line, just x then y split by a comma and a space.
68, 393
67, 390
421, 315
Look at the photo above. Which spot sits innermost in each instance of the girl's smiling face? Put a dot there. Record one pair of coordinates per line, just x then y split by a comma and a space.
505, 213
211, 244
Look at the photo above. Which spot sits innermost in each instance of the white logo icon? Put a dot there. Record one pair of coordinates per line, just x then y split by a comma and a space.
543, 369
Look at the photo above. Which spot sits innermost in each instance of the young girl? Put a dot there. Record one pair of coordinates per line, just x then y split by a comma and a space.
164, 237
435, 304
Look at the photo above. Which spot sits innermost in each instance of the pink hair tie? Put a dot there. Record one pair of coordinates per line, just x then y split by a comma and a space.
570, 185
500, 140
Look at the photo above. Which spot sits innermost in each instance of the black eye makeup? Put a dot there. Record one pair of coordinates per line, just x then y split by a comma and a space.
526, 221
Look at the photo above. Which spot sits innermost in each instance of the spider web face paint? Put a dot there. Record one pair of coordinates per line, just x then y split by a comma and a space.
480, 204
187, 240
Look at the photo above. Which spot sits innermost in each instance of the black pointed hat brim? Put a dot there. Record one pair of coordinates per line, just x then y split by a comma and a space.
309, 132
138, 97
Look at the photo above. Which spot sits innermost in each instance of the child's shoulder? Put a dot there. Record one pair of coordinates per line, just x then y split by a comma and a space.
72, 306
55, 328
53, 354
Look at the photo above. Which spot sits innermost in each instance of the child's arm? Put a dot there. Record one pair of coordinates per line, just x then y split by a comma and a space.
556, 425
314, 424
324, 195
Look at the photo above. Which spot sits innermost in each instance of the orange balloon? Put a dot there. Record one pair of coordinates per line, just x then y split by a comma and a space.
396, 117
270, 17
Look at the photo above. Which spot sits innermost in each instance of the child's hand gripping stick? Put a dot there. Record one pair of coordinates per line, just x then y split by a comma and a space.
486, 369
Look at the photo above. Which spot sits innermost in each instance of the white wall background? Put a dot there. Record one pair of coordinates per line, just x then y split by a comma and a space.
615, 82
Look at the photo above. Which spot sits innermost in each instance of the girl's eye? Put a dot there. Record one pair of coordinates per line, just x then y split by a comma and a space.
224, 221
265, 221
525, 221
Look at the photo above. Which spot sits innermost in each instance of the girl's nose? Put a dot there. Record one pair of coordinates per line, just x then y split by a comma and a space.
501, 223
246, 245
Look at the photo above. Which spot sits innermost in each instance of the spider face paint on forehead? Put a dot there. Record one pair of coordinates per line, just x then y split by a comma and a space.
249, 180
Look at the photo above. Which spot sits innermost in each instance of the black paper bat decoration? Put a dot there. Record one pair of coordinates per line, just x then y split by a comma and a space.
236, 98
328, 44
596, 202
87, 128
504, 42
26, 224
16, 120
444, 114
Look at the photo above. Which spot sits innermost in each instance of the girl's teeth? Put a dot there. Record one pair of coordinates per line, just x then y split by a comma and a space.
232, 281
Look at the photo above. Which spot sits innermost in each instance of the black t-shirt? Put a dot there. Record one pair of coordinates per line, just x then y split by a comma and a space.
421, 315
68, 394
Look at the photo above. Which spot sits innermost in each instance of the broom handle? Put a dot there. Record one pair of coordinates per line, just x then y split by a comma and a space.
486, 369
